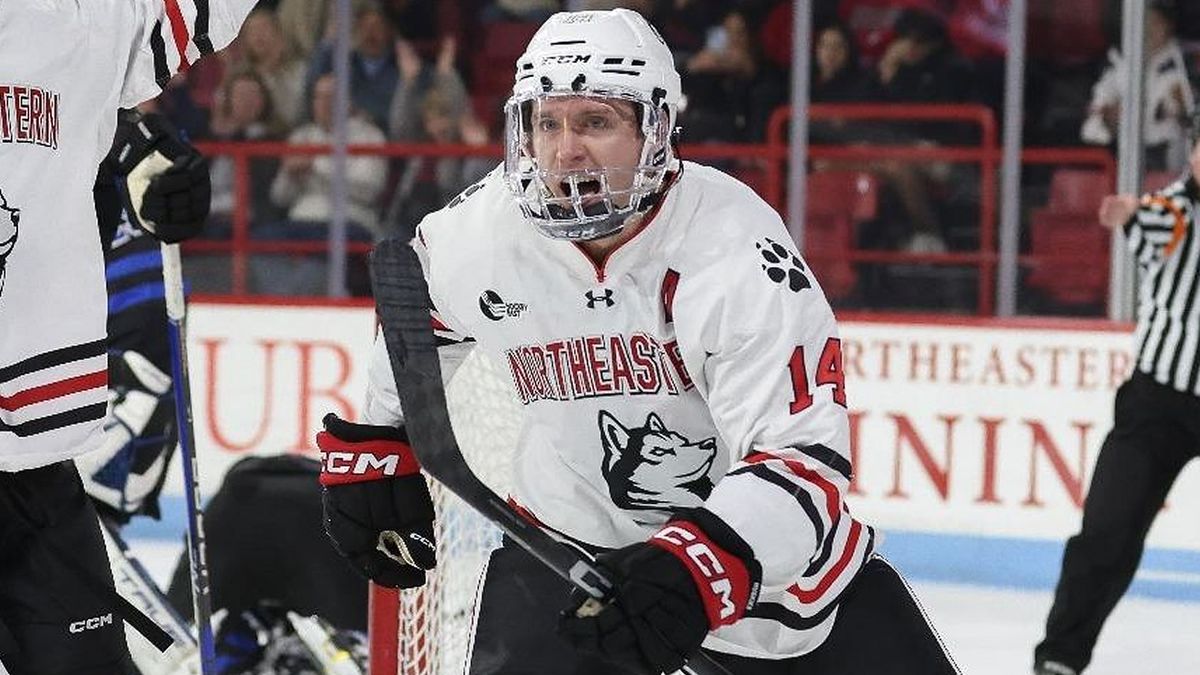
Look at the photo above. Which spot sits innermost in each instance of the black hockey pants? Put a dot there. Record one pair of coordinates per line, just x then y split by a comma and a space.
54, 619
880, 629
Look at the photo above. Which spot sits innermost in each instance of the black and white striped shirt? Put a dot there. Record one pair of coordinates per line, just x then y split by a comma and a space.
1162, 237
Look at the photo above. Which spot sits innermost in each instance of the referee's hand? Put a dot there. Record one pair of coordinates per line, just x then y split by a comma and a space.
1115, 210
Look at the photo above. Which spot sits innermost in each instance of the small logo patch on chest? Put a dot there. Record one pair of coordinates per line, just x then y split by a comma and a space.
599, 298
495, 308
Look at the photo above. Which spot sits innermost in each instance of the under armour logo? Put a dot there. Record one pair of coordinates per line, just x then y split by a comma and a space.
606, 298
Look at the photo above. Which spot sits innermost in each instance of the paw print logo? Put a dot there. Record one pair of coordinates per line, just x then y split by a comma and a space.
781, 265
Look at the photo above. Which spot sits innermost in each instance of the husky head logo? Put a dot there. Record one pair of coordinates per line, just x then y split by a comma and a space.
652, 467
9, 218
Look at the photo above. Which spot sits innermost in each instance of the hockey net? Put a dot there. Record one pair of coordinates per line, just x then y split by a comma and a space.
426, 631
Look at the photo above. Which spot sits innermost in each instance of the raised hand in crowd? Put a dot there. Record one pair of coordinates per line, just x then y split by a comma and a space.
408, 60
447, 52
471, 130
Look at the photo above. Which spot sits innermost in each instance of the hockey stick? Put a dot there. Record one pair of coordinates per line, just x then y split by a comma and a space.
403, 304
129, 613
177, 332
136, 585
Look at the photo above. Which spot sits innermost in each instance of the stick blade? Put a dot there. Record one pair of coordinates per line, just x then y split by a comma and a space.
403, 306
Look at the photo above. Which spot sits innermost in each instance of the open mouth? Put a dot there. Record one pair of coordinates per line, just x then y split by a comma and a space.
589, 189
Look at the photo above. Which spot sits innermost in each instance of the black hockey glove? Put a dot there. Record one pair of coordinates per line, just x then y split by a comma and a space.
377, 506
168, 191
670, 592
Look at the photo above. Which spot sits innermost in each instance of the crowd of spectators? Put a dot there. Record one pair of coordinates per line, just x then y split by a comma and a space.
412, 81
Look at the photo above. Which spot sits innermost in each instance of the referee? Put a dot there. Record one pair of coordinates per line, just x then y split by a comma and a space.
1156, 428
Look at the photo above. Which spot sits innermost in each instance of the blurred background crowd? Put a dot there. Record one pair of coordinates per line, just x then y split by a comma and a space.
430, 71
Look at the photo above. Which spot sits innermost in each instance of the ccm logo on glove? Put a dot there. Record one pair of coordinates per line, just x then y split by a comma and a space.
349, 467
347, 461
722, 578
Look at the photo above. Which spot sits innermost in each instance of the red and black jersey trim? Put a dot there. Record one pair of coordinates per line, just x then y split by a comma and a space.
812, 595
443, 335
182, 35
831, 510
780, 614
763, 472
75, 383
802, 496
823, 555
777, 612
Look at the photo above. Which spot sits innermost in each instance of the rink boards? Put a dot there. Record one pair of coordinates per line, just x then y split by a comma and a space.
973, 439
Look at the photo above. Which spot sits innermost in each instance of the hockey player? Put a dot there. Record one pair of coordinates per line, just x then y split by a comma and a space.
65, 69
686, 410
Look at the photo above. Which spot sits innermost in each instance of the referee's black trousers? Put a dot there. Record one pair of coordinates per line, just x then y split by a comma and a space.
1156, 430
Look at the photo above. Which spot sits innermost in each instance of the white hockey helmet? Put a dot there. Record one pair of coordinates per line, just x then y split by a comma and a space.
601, 55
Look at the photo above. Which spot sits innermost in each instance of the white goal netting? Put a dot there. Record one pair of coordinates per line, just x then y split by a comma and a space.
434, 622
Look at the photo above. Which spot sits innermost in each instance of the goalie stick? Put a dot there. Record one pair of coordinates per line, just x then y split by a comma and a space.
403, 305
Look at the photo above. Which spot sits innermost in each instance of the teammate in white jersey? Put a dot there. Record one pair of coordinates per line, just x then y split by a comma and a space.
681, 373
65, 69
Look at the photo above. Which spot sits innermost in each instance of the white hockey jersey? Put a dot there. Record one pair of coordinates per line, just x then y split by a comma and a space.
698, 365
65, 68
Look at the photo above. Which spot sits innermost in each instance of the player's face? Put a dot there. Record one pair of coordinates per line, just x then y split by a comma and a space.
577, 133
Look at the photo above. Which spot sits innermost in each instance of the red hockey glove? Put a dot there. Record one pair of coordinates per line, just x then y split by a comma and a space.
377, 506
694, 575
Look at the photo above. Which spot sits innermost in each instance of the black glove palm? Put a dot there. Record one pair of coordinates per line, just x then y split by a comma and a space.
657, 620
167, 188
378, 511
694, 575
178, 199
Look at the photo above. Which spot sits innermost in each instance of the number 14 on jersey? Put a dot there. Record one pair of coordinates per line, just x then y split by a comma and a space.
829, 372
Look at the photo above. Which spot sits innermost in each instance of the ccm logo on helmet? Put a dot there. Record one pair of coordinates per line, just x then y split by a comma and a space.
707, 563
359, 463
559, 59
91, 624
